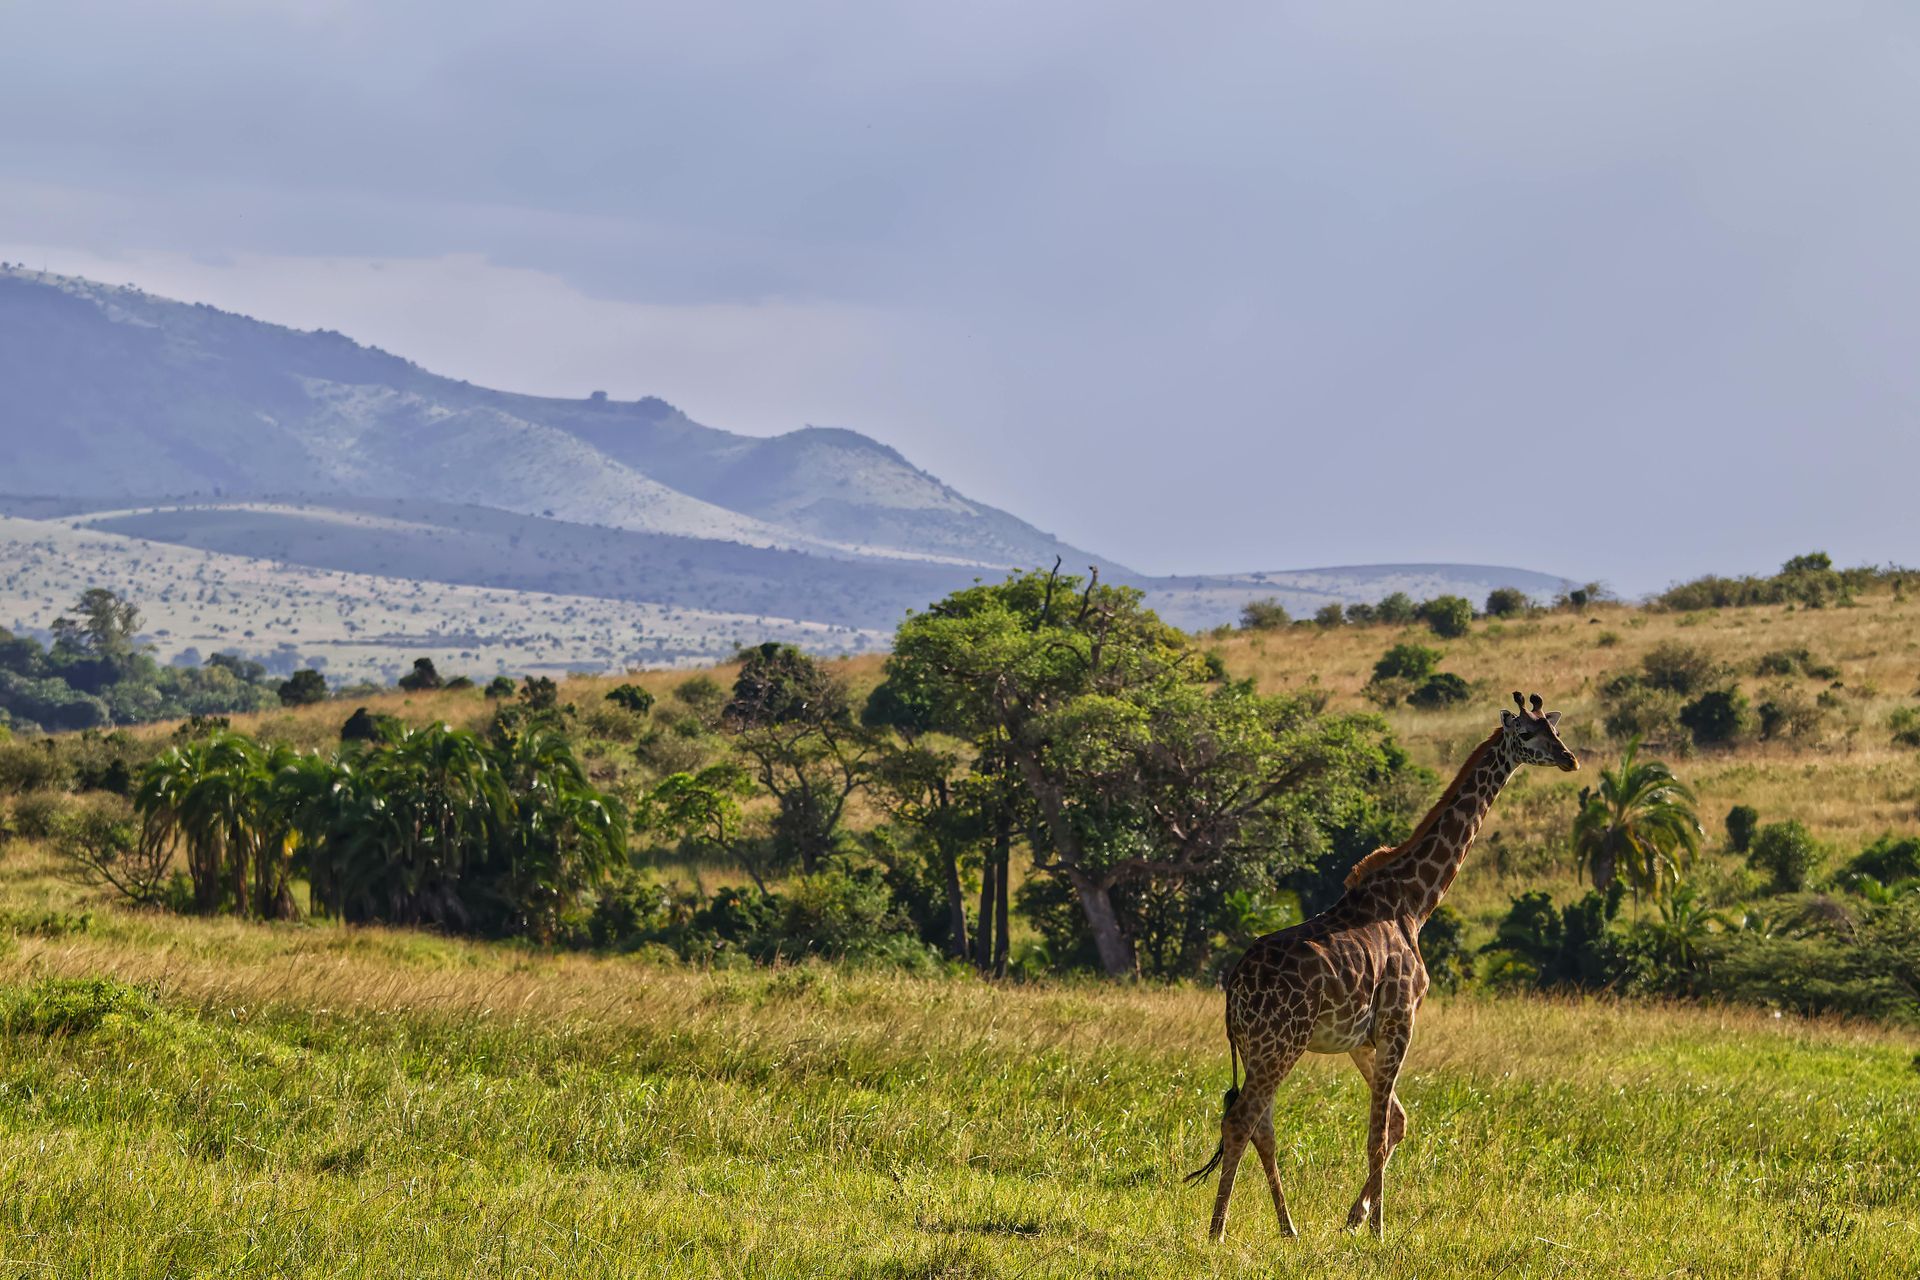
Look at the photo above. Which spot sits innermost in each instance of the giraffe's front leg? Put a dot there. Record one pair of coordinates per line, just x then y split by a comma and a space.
1394, 1035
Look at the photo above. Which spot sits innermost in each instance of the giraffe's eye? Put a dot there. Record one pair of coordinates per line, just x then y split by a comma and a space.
1525, 734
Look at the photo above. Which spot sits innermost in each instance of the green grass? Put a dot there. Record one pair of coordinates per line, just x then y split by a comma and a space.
295, 1100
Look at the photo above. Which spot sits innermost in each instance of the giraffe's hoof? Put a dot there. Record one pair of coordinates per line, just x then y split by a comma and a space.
1358, 1214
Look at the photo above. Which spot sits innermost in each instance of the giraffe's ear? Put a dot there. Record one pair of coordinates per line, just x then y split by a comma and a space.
1553, 719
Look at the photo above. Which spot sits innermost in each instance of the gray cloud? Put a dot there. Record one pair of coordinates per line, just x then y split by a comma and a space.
1625, 291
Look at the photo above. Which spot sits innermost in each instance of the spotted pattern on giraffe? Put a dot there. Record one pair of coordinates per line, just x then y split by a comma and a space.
1351, 979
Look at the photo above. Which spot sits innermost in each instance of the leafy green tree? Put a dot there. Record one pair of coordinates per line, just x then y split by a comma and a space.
631, 697
1506, 602
1638, 825
792, 718
500, 687
1742, 821
1396, 610
96, 645
1413, 662
423, 677
1263, 615
1146, 780
1330, 615
303, 688
1787, 852
1717, 717
1441, 689
1447, 616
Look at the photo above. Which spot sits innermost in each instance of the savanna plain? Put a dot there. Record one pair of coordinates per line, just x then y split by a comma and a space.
186, 1095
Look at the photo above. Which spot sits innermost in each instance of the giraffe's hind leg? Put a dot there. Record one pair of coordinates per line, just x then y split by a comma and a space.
1250, 1118
1264, 1144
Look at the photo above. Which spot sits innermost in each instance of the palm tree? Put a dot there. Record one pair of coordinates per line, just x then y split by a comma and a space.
215, 799
1638, 825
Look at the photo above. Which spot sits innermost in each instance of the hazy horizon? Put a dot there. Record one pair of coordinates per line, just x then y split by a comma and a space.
1623, 295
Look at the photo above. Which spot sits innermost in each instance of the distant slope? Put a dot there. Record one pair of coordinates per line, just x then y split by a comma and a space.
480, 546
1207, 600
109, 390
366, 625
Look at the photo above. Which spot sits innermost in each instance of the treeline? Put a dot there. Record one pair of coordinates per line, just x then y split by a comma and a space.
1809, 581
93, 674
1447, 616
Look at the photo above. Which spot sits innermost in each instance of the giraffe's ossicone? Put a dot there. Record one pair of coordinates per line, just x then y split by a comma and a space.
1350, 980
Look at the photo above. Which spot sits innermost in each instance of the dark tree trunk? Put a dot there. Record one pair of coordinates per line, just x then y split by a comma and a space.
956, 904
1116, 952
983, 931
1002, 854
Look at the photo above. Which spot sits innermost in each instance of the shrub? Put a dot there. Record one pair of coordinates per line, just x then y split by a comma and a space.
100, 845
303, 689
1505, 602
1685, 669
1443, 948
501, 687
1263, 615
1787, 852
1635, 709
423, 677
1330, 615
1789, 713
1607, 639
1447, 616
368, 726
36, 814
1742, 820
1360, 615
1905, 724
1406, 662
1717, 717
631, 697
1441, 689
1396, 610
31, 765
458, 684
702, 695
1890, 859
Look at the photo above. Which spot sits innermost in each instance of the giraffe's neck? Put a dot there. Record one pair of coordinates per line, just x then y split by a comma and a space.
1417, 880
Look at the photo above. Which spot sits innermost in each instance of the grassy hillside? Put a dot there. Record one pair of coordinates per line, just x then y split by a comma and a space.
303, 1100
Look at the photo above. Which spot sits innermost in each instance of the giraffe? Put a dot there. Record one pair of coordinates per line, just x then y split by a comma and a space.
1350, 980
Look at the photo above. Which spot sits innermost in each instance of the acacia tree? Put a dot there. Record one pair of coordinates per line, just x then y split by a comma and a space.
1143, 772
792, 718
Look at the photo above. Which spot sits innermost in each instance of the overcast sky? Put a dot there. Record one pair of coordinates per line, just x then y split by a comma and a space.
1628, 290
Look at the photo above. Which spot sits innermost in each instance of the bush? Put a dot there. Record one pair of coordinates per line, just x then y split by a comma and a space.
1685, 669
1406, 662
1506, 602
1441, 689
1789, 713
1890, 859
838, 914
702, 695
1905, 724
1787, 853
31, 764
501, 687
1263, 615
1742, 819
36, 814
368, 726
1443, 948
1360, 615
1396, 610
1635, 709
1330, 615
303, 689
422, 678
100, 845
1447, 616
1717, 716
631, 697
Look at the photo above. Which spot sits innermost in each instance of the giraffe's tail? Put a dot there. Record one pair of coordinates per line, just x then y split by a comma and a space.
1232, 1096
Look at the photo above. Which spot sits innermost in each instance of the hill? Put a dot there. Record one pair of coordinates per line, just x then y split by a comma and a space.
135, 415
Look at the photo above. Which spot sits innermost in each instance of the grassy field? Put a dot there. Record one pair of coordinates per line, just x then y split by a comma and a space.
311, 1100
200, 1097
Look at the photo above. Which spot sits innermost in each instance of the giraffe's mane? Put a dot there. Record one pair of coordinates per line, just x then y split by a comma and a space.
1388, 852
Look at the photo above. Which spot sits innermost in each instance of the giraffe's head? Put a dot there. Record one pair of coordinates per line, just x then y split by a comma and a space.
1534, 737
